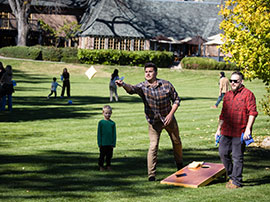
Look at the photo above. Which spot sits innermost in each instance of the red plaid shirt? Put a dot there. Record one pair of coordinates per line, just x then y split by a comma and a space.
157, 99
237, 107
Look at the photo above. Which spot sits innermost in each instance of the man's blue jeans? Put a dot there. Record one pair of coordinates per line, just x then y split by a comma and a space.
3, 103
219, 99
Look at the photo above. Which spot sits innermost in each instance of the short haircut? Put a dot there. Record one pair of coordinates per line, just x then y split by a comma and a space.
239, 74
107, 107
54, 78
150, 64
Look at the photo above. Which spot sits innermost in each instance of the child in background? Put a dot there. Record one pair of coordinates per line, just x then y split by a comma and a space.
106, 138
53, 88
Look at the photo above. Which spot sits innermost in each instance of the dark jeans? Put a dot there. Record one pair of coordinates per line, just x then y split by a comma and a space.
66, 84
55, 94
3, 102
231, 153
105, 151
219, 99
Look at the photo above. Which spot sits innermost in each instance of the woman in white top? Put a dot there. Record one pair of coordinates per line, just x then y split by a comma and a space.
113, 87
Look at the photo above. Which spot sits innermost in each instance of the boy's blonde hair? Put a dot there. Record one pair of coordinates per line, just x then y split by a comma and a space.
107, 107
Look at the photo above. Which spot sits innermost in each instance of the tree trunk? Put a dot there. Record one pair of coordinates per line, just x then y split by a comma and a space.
21, 9
23, 29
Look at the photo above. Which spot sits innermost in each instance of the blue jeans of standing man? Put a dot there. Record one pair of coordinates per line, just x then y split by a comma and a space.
219, 99
231, 152
3, 103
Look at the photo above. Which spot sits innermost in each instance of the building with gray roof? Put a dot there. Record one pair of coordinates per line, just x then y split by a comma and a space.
139, 24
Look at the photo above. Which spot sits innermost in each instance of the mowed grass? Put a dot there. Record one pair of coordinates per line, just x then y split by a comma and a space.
48, 149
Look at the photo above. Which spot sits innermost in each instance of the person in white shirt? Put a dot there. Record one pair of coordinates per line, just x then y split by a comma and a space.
53, 88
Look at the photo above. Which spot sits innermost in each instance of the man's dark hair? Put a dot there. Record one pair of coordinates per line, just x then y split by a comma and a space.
54, 78
150, 64
239, 74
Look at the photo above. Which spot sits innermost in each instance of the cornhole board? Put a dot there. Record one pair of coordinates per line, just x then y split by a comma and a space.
196, 177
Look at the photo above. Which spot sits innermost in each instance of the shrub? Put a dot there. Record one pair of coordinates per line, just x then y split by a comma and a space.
265, 102
206, 63
69, 55
25, 52
119, 57
51, 54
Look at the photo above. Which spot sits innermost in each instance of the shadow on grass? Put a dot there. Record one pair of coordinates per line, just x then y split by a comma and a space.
197, 98
40, 108
23, 77
57, 173
31, 114
67, 174
76, 100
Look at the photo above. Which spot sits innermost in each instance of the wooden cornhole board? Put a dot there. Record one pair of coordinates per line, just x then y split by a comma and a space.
197, 177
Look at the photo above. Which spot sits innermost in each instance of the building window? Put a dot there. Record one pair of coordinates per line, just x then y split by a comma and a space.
136, 44
141, 44
96, 43
122, 44
4, 20
110, 43
116, 44
128, 42
102, 43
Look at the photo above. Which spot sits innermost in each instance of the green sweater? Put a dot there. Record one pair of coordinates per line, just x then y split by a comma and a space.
106, 133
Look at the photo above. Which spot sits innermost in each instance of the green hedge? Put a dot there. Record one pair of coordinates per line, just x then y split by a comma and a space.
49, 53
120, 57
69, 55
25, 52
74, 55
206, 63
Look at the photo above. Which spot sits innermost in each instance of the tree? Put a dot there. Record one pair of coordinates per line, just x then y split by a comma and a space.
246, 27
247, 36
68, 31
21, 10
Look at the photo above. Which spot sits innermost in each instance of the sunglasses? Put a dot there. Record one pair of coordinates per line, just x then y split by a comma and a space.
234, 81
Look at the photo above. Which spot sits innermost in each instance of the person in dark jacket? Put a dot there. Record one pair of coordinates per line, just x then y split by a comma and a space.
66, 83
6, 89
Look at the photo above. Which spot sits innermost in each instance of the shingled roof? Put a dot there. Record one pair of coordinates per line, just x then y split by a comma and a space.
60, 3
151, 18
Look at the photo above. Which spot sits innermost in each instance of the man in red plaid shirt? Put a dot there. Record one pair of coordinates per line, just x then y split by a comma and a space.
237, 117
160, 103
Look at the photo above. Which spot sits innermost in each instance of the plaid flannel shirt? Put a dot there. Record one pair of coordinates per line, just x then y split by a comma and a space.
157, 99
237, 107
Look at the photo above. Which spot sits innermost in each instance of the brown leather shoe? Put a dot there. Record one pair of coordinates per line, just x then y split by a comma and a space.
231, 185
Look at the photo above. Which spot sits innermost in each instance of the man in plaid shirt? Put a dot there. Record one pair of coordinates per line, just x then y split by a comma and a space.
160, 103
237, 117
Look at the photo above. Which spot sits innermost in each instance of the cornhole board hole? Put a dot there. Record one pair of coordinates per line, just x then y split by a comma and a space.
196, 177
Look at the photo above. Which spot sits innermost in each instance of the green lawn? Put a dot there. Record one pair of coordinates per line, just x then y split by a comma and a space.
48, 149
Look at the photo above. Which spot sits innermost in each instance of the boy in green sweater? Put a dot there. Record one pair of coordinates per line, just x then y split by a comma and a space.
106, 138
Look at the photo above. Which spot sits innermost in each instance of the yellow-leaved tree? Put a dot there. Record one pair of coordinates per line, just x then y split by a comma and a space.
246, 26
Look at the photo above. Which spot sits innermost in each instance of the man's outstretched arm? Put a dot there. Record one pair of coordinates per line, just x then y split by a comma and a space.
121, 83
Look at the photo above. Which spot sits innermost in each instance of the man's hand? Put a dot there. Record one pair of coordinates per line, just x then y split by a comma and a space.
246, 134
119, 83
168, 119
217, 133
